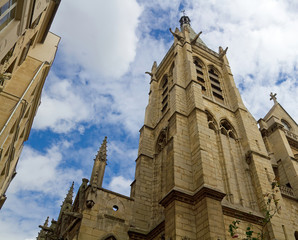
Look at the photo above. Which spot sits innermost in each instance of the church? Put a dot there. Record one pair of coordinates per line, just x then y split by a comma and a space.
204, 164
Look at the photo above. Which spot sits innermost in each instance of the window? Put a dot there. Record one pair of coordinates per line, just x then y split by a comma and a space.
200, 75
25, 52
215, 85
227, 129
211, 121
7, 13
286, 125
164, 95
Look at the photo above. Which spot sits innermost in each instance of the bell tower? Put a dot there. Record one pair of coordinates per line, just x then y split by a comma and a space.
202, 162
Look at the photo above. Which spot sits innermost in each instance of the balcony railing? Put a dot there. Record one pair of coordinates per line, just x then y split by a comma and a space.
291, 135
287, 191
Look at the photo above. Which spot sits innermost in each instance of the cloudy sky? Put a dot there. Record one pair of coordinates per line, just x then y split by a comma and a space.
97, 87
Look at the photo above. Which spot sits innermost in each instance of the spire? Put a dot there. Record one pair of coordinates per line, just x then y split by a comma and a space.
102, 153
68, 198
99, 165
46, 222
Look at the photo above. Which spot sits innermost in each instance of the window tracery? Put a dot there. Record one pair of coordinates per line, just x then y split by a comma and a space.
227, 129
211, 121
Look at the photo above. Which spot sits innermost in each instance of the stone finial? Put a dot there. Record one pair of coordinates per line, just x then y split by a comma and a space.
273, 97
102, 153
68, 198
46, 222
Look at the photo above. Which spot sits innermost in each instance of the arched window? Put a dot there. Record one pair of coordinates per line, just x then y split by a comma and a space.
286, 125
165, 90
200, 74
227, 129
215, 84
211, 121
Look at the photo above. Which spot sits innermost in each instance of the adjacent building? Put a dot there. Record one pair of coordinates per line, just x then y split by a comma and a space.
203, 161
27, 51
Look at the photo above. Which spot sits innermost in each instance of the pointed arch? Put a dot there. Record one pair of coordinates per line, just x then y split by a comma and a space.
200, 73
109, 237
226, 128
164, 86
212, 124
215, 82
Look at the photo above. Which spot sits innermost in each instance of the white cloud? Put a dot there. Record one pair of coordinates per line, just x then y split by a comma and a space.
99, 35
42, 172
121, 185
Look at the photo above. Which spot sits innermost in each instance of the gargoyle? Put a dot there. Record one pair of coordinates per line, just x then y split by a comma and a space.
222, 52
179, 38
195, 39
153, 70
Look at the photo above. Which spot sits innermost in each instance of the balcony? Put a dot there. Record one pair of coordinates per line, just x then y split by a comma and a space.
287, 191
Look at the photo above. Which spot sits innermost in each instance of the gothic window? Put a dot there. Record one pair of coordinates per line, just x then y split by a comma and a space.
227, 129
286, 125
215, 84
200, 74
7, 12
164, 95
211, 121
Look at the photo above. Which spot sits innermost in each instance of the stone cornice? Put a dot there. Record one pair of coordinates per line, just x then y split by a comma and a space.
203, 192
144, 155
135, 235
249, 154
242, 215
111, 192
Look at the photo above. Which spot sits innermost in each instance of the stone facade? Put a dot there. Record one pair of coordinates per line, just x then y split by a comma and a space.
202, 161
27, 50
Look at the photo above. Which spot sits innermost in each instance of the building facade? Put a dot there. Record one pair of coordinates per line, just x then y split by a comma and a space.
202, 163
27, 51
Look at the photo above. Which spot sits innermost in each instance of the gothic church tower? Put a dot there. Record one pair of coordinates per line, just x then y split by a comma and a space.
202, 162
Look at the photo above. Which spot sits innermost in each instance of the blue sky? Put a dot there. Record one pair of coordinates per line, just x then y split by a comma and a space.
97, 87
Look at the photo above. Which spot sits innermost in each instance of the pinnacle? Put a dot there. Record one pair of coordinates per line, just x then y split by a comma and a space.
102, 153
46, 222
68, 198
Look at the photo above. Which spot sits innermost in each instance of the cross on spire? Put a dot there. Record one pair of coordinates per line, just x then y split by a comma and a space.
273, 97
183, 11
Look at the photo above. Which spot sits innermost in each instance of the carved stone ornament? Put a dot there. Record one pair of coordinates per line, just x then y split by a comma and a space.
248, 157
90, 203
178, 35
162, 140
